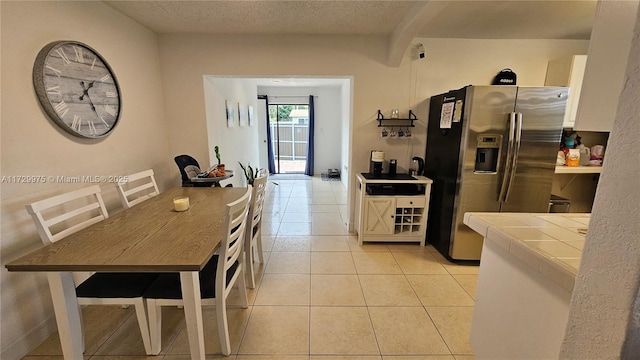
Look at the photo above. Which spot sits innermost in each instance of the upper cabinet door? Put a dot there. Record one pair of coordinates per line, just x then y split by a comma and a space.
606, 65
569, 72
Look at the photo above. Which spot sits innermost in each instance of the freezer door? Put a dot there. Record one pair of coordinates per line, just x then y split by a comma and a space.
487, 111
539, 112
441, 165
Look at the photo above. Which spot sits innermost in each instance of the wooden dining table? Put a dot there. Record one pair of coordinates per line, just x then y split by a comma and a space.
149, 237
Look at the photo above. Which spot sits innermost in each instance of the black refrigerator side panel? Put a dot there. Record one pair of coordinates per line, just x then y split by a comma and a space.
441, 165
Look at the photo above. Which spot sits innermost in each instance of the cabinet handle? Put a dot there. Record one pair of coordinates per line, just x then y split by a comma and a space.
411, 202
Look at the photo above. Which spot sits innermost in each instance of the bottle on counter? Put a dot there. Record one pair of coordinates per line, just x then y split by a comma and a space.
585, 155
573, 157
569, 143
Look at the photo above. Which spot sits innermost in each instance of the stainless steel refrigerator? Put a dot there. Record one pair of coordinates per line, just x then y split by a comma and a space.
489, 149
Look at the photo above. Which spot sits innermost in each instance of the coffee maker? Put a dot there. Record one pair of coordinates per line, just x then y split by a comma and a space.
417, 165
375, 166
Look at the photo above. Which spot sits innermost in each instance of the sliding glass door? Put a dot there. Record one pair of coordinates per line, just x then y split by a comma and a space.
289, 125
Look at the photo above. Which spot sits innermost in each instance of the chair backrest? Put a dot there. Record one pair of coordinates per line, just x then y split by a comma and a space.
257, 201
231, 244
136, 188
183, 161
68, 213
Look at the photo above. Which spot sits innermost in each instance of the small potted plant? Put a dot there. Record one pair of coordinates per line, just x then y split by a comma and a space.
218, 170
249, 173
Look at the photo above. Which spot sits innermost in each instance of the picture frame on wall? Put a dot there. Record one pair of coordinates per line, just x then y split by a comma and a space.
242, 116
231, 117
250, 115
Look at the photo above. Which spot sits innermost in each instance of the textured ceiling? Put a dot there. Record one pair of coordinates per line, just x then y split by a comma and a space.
515, 19
266, 17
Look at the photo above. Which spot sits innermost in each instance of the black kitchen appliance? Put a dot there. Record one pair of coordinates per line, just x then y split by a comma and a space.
394, 189
393, 167
375, 166
417, 166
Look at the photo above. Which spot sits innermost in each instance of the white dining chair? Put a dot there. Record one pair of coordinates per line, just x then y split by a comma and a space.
136, 188
253, 234
217, 278
62, 215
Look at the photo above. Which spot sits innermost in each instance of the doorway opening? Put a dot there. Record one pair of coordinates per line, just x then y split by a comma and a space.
289, 125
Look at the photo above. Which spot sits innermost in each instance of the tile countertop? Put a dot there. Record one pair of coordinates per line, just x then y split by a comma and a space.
548, 243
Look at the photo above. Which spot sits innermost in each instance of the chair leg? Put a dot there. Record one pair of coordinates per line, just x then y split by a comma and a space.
249, 258
259, 244
242, 287
82, 327
143, 323
155, 326
223, 326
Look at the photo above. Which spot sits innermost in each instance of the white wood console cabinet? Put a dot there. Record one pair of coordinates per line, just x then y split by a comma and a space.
392, 217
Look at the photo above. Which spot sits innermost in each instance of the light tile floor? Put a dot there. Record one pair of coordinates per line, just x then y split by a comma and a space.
319, 296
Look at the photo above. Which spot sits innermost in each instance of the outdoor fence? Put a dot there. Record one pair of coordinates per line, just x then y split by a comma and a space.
289, 140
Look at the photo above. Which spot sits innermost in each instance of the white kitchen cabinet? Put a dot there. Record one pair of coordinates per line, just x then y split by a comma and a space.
379, 213
410, 212
569, 72
390, 217
604, 72
523, 292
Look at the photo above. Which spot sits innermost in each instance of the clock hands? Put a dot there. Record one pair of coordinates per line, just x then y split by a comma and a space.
86, 92
93, 107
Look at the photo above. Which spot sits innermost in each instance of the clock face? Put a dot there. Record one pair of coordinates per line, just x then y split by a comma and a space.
77, 89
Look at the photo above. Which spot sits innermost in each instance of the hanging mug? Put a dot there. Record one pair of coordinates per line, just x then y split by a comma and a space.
407, 133
400, 133
384, 133
393, 133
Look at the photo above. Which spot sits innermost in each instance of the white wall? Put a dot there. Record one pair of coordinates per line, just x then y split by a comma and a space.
346, 95
602, 305
449, 63
237, 144
328, 119
33, 145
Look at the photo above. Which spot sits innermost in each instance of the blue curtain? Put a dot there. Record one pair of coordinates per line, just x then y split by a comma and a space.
271, 165
309, 168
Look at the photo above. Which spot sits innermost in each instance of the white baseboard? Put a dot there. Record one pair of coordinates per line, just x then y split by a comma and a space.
30, 340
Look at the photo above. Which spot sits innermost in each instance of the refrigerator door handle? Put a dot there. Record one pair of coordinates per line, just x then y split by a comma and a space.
508, 161
516, 154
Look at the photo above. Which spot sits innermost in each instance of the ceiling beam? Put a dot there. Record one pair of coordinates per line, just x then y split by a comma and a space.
419, 15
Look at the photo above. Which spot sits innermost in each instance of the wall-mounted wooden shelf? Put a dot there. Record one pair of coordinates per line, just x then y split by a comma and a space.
401, 121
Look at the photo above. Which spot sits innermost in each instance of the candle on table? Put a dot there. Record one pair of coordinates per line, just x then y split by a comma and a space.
181, 203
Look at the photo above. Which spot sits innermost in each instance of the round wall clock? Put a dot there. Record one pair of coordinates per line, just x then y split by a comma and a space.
77, 89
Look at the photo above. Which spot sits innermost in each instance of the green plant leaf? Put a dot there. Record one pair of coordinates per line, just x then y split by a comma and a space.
217, 151
250, 175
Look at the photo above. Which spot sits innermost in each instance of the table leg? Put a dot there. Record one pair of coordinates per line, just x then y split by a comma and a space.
65, 306
190, 282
